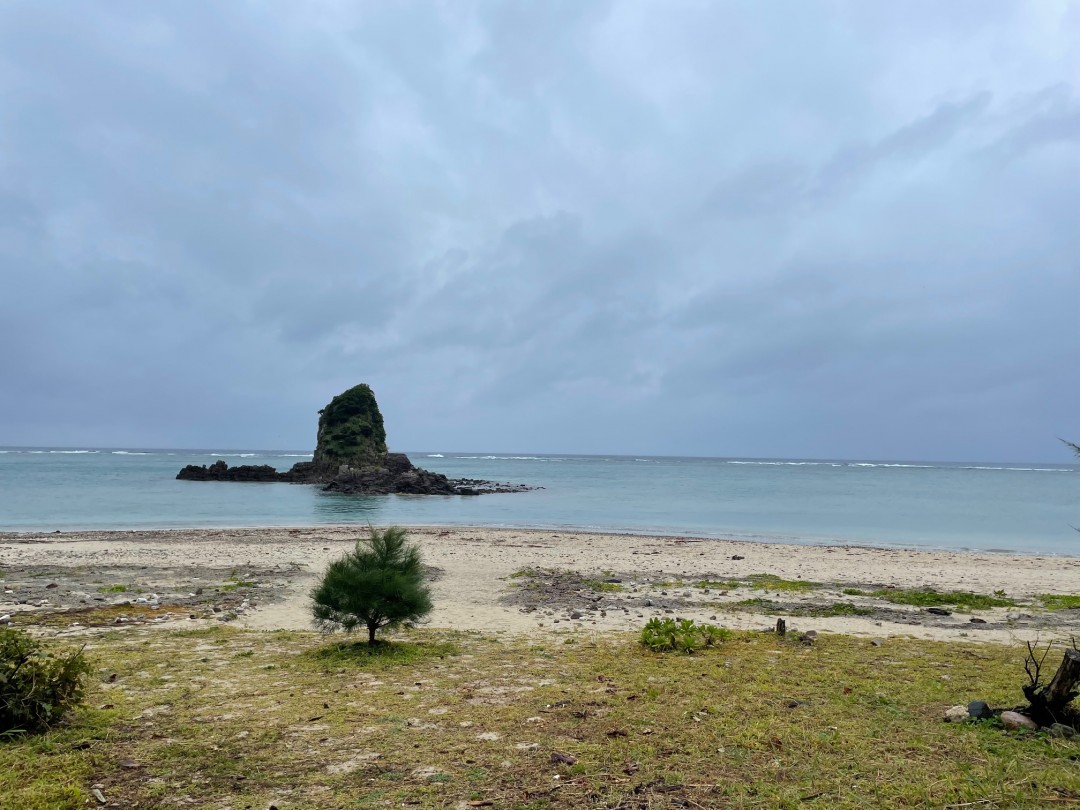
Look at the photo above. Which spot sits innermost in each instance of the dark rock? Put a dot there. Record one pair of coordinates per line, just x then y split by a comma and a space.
977, 620
220, 471
980, 710
939, 611
1063, 731
351, 458
737, 557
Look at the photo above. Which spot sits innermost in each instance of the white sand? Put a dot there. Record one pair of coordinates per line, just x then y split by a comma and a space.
477, 564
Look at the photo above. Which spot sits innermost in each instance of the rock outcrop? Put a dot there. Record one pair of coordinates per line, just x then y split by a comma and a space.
351, 458
351, 432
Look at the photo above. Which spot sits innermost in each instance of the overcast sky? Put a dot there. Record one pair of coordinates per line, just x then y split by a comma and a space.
704, 228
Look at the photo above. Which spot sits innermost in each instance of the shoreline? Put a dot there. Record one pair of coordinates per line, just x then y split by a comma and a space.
532, 581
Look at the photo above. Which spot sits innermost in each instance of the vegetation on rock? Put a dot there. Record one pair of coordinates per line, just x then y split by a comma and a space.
351, 429
378, 584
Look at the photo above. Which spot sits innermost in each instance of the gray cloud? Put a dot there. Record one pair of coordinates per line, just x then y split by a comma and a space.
728, 229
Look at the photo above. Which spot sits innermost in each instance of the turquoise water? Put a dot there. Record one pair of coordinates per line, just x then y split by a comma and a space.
1015, 507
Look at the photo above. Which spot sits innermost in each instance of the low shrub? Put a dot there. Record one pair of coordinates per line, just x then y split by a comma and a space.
37, 687
668, 635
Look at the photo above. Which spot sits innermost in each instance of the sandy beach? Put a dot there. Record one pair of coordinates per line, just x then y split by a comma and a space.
527, 581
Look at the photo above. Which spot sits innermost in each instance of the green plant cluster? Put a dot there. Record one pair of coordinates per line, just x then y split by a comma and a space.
684, 635
37, 687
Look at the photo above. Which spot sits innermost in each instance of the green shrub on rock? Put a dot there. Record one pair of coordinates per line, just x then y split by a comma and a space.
37, 687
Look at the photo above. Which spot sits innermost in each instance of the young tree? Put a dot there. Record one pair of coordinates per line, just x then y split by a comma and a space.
378, 584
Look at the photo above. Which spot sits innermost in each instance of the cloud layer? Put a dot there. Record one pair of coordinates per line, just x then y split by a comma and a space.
783, 229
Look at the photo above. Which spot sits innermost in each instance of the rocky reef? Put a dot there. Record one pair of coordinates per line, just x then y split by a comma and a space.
351, 457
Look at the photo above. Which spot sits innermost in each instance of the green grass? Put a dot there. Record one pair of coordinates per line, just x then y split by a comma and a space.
929, 598
771, 582
601, 586
118, 589
717, 585
825, 611
303, 722
1058, 601
854, 592
229, 587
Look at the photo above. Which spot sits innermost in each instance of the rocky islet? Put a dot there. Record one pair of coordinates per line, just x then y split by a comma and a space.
351, 458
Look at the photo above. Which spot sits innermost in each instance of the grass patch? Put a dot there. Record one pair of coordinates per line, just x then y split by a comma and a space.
198, 726
1059, 601
96, 616
717, 585
119, 589
563, 579
854, 592
602, 587
760, 604
930, 598
233, 585
771, 582
381, 654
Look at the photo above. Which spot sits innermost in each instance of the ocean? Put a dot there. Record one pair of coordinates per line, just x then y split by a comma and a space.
1027, 508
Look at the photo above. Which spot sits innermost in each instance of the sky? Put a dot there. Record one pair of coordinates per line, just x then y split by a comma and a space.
783, 229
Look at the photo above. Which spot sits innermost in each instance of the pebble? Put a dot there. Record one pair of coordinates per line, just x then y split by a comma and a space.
876, 642
1063, 731
5, 619
1015, 720
977, 620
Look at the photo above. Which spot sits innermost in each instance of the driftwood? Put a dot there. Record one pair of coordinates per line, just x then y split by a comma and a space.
1050, 702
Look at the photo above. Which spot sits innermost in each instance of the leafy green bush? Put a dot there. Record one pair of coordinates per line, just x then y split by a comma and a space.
685, 635
37, 687
378, 584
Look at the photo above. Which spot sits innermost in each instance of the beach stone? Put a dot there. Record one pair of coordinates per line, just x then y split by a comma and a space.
1015, 720
737, 557
1063, 731
979, 710
956, 714
977, 620
939, 611
575, 614
876, 642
